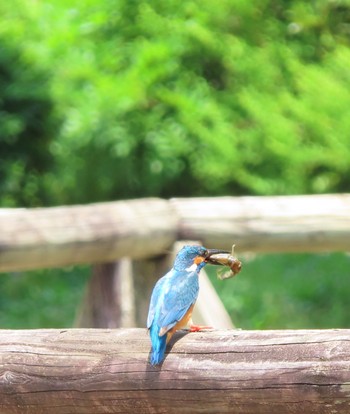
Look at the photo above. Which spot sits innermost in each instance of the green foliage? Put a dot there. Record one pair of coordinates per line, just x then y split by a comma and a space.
124, 99
41, 299
272, 292
288, 291
154, 98
26, 129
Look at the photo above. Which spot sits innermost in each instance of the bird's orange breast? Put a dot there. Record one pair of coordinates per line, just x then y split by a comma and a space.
181, 324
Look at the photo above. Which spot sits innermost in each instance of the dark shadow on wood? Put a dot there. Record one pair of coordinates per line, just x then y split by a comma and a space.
176, 337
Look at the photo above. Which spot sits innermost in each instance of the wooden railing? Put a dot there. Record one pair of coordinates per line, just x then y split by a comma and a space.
106, 371
104, 232
130, 244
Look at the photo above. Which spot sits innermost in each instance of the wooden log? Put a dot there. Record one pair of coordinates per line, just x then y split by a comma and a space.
127, 294
241, 372
100, 307
60, 236
104, 232
108, 301
314, 223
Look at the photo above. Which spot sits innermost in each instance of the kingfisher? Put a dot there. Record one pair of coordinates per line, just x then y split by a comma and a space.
174, 297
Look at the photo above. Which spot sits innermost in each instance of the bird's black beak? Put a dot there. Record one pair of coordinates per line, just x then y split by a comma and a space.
211, 252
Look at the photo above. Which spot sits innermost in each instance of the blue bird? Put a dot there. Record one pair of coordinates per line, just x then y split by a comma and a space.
173, 298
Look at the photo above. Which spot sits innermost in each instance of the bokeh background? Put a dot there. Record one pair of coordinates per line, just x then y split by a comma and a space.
118, 99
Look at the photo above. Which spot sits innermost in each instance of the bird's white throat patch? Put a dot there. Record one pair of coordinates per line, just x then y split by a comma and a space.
192, 268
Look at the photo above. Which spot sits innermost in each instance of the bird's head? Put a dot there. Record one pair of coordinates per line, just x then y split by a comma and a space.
193, 258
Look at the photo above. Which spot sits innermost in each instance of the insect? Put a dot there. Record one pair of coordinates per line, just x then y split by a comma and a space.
226, 259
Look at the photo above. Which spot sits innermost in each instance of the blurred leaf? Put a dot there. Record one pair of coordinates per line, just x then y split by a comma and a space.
169, 99
288, 291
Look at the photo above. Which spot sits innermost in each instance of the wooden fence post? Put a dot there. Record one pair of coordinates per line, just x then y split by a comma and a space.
109, 297
145, 275
106, 304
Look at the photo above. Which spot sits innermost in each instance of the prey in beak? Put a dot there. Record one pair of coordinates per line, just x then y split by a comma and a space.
224, 258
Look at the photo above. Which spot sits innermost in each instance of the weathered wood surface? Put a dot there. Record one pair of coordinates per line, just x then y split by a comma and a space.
60, 236
314, 223
109, 299
101, 304
95, 233
241, 372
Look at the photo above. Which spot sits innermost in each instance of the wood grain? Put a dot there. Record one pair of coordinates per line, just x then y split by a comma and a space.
314, 223
106, 371
104, 232
94, 233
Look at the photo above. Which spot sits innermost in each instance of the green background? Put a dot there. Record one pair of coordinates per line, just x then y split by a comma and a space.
125, 99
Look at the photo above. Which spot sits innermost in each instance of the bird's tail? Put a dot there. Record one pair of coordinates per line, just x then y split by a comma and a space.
158, 345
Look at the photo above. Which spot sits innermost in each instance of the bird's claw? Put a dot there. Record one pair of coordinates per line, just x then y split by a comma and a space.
199, 328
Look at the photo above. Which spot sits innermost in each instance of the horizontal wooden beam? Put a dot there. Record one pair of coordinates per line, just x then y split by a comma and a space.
103, 232
308, 223
94, 233
106, 371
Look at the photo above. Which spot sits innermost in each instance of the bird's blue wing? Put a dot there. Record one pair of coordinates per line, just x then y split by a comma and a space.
156, 294
173, 298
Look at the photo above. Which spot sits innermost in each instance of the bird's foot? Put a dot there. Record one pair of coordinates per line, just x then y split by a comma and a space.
198, 328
